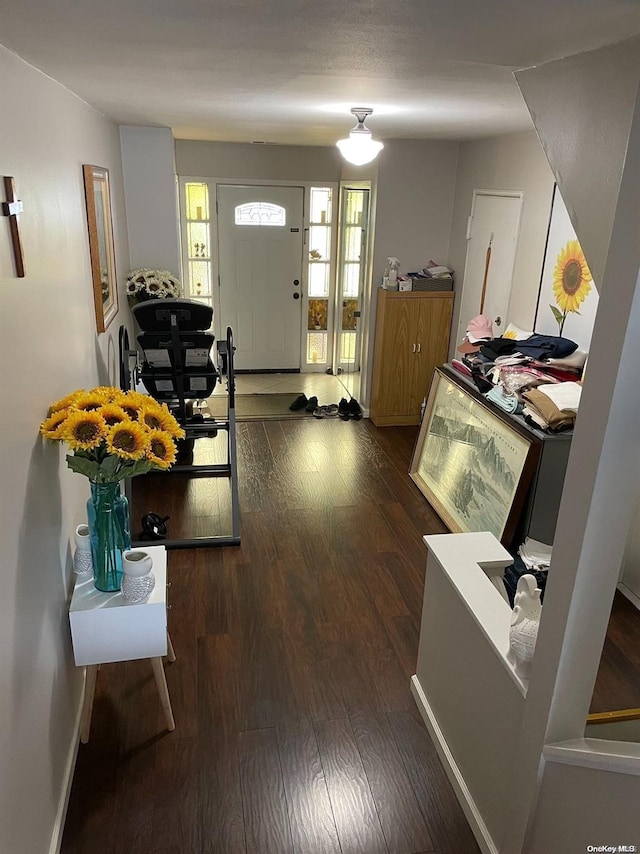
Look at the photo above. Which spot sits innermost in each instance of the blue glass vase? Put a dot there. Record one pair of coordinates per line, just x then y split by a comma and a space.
108, 519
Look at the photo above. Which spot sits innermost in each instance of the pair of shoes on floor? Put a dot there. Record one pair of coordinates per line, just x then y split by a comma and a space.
309, 404
326, 411
349, 410
299, 403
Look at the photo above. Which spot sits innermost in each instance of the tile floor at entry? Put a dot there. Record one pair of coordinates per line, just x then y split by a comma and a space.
328, 388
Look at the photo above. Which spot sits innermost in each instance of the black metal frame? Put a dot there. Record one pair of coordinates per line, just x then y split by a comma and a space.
194, 430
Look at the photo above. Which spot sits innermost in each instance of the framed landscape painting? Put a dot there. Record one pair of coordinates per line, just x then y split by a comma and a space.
470, 464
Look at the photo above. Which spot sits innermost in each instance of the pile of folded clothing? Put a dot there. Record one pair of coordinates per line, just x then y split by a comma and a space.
533, 558
553, 407
537, 376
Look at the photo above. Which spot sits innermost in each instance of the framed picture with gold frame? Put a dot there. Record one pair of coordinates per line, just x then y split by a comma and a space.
473, 466
103, 262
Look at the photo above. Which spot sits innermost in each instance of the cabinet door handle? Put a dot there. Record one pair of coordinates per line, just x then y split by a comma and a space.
414, 348
419, 348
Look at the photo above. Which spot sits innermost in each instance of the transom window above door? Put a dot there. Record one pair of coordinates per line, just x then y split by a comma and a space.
260, 213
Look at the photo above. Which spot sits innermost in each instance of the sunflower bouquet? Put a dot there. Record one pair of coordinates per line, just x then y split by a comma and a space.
113, 434
146, 284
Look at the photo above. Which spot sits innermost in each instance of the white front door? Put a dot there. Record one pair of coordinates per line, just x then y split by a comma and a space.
260, 235
492, 239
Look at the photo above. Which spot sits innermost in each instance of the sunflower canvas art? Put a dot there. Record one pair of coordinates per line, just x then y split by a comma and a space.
568, 300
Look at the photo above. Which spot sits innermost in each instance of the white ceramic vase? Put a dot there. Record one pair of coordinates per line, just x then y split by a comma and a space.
138, 579
525, 621
82, 561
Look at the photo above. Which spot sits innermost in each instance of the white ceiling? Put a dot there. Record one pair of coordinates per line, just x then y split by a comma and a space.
288, 71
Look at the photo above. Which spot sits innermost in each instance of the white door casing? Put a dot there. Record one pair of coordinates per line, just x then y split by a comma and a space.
258, 265
495, 218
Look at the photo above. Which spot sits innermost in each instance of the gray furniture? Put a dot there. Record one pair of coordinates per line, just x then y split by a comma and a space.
540, 512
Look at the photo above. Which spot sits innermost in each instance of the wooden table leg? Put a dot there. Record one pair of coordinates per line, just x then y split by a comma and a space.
161, 682
171, 656
87, 705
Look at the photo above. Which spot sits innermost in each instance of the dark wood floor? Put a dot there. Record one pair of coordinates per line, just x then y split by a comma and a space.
618, 682
296, 731
295, 727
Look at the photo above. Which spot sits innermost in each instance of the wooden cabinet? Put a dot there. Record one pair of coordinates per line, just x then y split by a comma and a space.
411, 339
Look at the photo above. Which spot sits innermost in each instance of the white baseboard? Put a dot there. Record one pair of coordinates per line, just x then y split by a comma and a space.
61, 815
630, 595
471, 811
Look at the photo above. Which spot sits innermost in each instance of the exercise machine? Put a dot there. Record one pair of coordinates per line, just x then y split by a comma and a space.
173, 364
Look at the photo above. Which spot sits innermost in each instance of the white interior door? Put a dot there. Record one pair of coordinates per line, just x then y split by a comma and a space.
260, 233
495, 222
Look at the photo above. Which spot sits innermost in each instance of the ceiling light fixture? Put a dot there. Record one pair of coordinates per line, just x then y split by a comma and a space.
359, 147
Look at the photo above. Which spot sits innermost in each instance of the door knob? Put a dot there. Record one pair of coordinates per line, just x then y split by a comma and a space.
296, 295
498, 320
296, 282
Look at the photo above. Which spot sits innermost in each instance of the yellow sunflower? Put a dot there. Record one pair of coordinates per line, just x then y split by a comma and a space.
53, 426
171, 425
131, 402
571, 277
108, 392
150, 414
127, 440
67, 401
89, 401
162, 449
156, 417
83, 429
113, 414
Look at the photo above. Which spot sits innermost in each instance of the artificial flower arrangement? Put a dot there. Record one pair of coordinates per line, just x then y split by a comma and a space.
113, 434
145, 284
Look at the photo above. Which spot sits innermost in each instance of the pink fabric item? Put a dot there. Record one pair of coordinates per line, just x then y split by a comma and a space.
479, 328
516, 378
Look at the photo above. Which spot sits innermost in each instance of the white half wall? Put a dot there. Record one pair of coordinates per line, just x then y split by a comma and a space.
49, 347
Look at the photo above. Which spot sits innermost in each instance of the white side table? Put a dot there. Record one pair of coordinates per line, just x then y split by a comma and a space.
104, 628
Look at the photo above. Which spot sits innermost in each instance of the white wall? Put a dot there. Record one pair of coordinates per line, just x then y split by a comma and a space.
246, 161
416, 183
414, 205
585, 819
509, 162
584, 130
150, 196
49, 347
